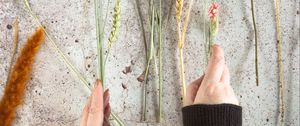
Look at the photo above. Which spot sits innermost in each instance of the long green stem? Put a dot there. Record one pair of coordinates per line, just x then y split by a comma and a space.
55, 47
99, 35
145, 89
138, 5
148, 65
106, 15
256, 42
206, 32
117, 119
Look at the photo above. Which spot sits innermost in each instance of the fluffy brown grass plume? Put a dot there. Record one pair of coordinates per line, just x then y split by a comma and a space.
20, 74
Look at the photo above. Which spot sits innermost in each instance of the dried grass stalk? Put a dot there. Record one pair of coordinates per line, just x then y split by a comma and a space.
181, 39
179, 6
15, 88
160, 63
15, 46
55, 47
256, 42
279, 48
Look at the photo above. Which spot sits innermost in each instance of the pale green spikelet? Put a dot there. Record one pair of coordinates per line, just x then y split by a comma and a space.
116, 24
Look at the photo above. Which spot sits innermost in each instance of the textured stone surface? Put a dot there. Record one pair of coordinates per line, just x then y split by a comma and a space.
55, 97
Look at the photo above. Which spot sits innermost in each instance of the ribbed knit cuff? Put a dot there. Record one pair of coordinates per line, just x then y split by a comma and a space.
212, 115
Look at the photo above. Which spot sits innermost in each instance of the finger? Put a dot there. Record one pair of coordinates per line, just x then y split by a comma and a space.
106, 108
107, 112
85, 112
215, 66
192, 90
95, 116
225, 79
106, 104
106, 97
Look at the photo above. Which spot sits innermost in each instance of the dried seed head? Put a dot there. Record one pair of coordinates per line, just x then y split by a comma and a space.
20, 74
179, 6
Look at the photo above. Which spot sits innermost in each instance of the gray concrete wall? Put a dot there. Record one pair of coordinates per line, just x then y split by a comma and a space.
55, 97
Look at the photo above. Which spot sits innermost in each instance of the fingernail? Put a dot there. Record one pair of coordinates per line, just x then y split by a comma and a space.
97, 82
215, 47
95, 85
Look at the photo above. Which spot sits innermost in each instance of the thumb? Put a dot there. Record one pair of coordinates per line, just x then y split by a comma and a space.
191, 91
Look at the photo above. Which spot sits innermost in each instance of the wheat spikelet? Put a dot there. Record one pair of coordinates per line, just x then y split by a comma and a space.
179, 6
20, 74
116, 24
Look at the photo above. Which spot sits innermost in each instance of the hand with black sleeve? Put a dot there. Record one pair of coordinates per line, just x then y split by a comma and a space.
210, 100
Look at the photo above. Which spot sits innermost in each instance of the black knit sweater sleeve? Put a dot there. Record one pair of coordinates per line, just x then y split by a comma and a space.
212, 115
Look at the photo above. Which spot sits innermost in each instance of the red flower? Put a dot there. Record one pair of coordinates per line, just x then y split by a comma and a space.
213, 11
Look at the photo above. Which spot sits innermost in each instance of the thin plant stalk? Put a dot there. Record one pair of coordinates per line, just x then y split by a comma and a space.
211, 35
55, 47
99, 35
256, 42
64, 58
181, 46
85, 7
117, 119
148, 64
158, 64
106, 15
160, 90
15, 46
204, 31
143, 28
179, 6
279, 48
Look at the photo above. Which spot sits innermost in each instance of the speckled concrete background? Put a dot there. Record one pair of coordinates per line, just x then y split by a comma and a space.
54, 97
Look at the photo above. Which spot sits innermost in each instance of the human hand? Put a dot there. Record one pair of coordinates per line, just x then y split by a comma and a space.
213, 87
97, 109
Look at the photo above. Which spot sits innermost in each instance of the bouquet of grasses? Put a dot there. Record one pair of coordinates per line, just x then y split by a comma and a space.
100, 25
153, 56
